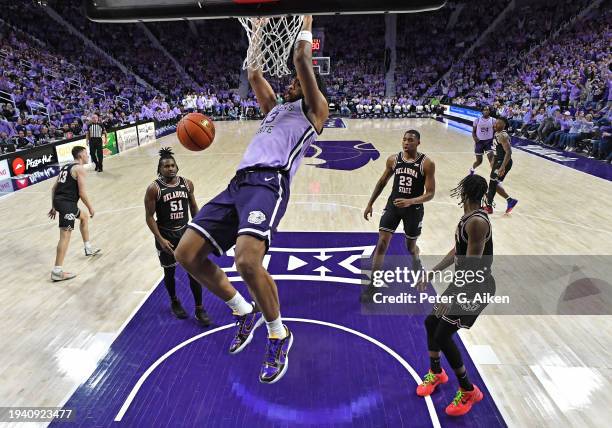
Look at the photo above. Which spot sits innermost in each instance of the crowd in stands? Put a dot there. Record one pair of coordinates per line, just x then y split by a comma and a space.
141, 56
550, 85
558, 93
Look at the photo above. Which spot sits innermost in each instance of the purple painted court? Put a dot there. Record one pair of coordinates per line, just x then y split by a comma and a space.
346, 368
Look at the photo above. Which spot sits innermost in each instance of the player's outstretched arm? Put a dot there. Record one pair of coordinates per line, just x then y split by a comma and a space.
380, 185
318, 109
263, 91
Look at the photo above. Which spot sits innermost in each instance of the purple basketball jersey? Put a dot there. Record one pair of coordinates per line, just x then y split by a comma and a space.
282, 139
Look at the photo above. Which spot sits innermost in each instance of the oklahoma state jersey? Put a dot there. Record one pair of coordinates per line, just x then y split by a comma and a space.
172, 206
408, 178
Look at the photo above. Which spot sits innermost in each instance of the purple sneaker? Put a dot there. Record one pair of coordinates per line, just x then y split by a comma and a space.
276, 363
511, 204
246, 326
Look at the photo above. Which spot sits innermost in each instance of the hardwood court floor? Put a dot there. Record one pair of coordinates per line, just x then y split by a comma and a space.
542, 370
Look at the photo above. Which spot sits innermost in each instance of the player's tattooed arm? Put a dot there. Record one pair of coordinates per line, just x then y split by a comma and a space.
193, 204
380, 185
149, 202
505, 142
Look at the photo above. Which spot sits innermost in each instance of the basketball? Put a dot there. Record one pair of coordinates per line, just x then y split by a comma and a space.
196, 132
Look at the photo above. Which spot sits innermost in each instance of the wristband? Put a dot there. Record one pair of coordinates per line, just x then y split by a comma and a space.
305, 36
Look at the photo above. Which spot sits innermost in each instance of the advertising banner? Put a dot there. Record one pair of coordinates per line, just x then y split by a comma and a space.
165, 130
6, 187
127, 138
146, 133
465, 113
5, 172
110, 148
28, 161
64, 151
43, 174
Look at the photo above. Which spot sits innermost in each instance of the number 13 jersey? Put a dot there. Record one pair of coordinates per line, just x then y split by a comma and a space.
409, 179
172, 206
281, 140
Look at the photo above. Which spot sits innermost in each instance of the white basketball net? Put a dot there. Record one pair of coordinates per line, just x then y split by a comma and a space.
270, 42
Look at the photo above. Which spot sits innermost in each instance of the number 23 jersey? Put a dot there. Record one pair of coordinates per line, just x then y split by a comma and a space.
172, 205
408, 179
281, 140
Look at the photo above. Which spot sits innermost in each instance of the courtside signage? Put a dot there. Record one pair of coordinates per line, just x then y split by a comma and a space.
32, 160
64, 151
127, 138
146, 133
5, 172
462, 112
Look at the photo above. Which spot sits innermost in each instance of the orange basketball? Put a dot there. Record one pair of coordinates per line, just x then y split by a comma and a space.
196, 131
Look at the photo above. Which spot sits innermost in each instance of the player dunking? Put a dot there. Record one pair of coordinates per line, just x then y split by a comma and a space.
65, 195
167, 204
473, 251
247, 213
414, 183
482, 133
501, 166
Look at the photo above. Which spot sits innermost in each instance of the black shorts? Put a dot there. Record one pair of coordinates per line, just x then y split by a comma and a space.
496, 166
412, 217
68, 212
174, 236
465, 310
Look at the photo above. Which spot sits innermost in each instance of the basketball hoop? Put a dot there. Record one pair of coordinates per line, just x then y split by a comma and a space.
270, 42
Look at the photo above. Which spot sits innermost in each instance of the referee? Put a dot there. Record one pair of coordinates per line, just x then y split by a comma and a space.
95, 131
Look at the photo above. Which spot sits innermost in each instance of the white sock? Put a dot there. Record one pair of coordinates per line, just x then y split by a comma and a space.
276, 329
239, 305
87, 244
57, 269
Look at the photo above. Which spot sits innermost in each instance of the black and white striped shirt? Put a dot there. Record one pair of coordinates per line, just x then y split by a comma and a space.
95, 130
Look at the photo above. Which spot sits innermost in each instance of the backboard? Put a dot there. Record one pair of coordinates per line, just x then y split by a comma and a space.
171, 10
322, 65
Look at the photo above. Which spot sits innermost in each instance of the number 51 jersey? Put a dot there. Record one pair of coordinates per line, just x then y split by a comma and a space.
408, 179
172, 206
281, 140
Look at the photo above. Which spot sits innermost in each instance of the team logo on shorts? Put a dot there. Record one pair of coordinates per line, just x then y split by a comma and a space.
256, 217
469, 306
70, 217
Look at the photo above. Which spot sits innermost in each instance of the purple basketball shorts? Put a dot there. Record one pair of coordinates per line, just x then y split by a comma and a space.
253, 204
